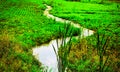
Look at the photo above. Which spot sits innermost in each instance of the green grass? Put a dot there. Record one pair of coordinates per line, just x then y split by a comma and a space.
104, 19
17, 23
89, 15
84, 55
23, 26
27, 23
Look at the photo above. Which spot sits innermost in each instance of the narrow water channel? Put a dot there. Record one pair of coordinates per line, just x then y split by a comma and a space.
45, 53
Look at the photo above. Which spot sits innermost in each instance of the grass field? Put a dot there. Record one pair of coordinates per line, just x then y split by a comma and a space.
104, 19
23, 26
90, 15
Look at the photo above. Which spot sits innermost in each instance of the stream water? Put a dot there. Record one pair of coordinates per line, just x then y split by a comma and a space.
45, 53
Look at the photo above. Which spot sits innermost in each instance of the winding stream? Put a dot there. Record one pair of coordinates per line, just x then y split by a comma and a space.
45, 53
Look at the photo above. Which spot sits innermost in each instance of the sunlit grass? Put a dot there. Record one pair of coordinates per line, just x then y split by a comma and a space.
90, 15
104, 19
22, 26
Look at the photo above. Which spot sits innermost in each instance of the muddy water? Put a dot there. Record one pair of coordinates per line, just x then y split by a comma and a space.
45, 53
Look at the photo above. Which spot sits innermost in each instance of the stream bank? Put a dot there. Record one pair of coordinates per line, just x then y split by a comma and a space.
45, 53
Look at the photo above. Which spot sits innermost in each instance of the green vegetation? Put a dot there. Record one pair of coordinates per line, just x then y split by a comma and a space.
88, 15
23, 26
99, 52
91, 54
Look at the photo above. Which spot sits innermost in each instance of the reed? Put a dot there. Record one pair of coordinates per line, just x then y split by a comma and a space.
103, 42
63, 60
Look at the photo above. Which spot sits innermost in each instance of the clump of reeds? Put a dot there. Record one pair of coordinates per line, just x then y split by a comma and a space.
63, 57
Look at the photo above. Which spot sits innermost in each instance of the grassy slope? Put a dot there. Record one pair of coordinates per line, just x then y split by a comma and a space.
22, 26
103, 18
89, 15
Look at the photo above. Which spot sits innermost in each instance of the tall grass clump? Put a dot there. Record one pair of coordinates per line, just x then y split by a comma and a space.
107, 47
94, 53
104, 45
65, 35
